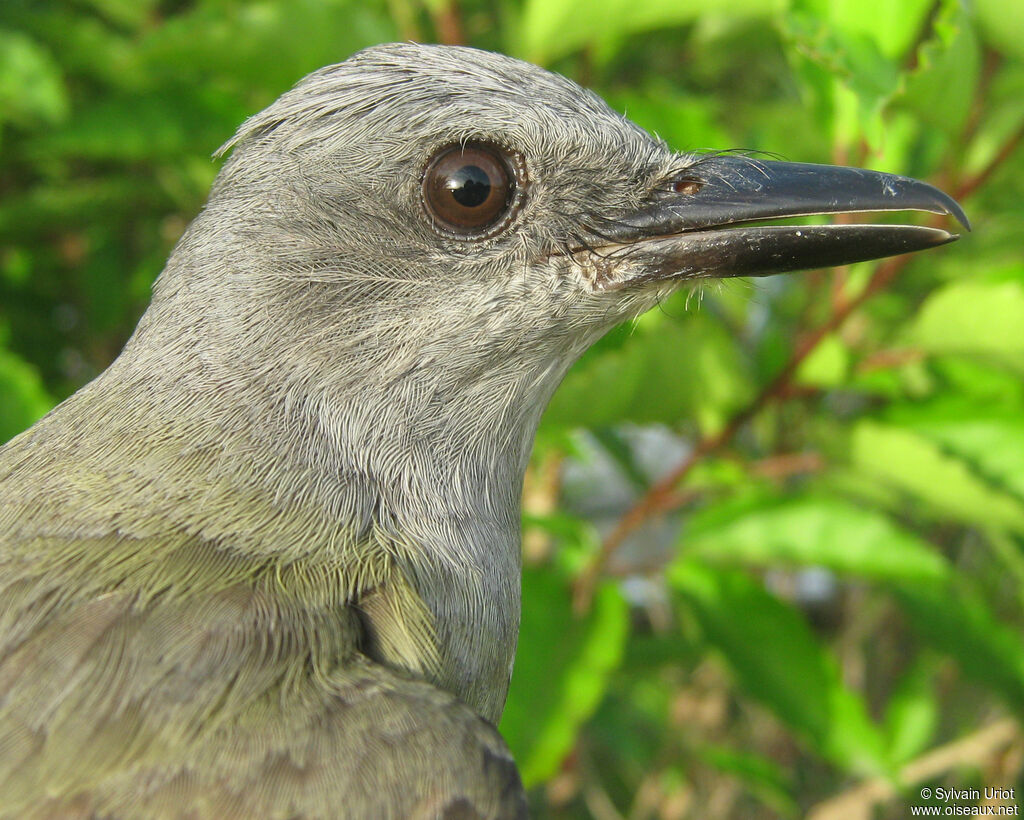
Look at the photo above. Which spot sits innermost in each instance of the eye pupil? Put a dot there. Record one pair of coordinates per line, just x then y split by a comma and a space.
469, 189
470, 186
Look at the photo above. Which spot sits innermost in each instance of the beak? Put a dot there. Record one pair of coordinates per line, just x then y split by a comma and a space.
696, 225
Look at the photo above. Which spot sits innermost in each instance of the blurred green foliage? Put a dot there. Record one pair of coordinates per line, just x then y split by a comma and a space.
834, 589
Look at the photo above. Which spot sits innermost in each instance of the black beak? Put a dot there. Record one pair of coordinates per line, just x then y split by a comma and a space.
695, 225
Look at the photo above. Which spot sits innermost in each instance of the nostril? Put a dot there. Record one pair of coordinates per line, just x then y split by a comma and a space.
686, 185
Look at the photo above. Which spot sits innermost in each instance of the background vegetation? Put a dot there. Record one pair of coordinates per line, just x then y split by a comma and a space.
774, 532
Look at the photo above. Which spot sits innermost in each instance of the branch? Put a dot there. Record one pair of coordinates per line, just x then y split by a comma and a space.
659, 498
969, 186
784, 465
448, 23
972, 750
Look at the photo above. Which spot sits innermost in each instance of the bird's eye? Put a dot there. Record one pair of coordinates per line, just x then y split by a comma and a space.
469, 189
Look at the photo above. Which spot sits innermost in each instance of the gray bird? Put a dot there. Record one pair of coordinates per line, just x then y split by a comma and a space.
267, 565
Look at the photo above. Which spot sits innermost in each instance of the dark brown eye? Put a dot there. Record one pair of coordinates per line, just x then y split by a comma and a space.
469, 188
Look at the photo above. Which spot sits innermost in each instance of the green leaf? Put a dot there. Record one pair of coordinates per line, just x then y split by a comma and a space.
87, 47
670, 369
951, 485
911, 716
562, 669
31, 87
854, 60
16, 265
686, 122
777, 660
892, 25
23, 399
578, 539
139, 127
553, 28
959, 623
988, 439
262, 48
827, 365
940, 91
1003, 23
763, 776
974, 317
810, 531
41, 208
990, 386
129, 13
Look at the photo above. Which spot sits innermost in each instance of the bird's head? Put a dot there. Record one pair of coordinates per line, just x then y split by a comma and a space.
446, 221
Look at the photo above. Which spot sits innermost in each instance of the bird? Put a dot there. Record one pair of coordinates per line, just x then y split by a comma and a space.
267, 563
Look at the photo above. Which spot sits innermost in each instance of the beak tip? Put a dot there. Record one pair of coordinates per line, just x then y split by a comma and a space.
952, 208
937, 237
